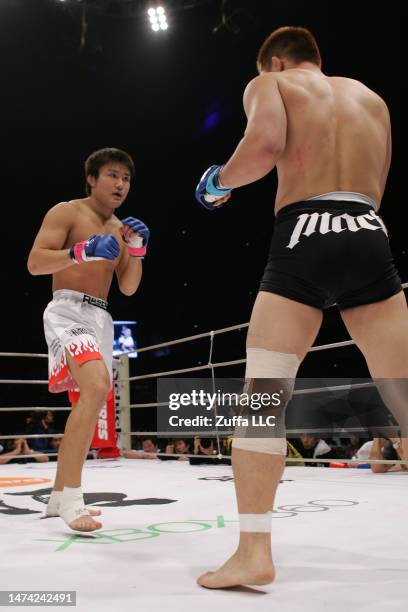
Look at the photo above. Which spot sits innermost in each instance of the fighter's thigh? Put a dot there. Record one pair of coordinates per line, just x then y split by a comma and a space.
91, 377
283, 325
380, 330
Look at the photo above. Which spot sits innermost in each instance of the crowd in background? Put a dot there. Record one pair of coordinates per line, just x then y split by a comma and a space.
22, 450
207, 450
306, 446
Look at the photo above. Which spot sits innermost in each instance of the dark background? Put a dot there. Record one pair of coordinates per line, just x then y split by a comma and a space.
173, 100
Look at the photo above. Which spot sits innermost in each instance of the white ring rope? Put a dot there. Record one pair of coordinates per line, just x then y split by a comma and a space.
195, 337
313, 390
16, 436
33, 454
390, 429
290, 432
35, 409
14, 381
209, 366
289, 459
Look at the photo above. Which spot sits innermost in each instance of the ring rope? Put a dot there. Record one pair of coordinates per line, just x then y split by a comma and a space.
313, 390
35, 453
35, 409
191, 338
390, 429
23, 382
22, 435
289, 459
290, 432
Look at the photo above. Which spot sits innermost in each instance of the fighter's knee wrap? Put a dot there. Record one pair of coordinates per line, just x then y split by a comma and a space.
268, 446
267, 373
262, 363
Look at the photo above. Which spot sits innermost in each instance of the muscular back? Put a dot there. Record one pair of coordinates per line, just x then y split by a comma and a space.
338, 137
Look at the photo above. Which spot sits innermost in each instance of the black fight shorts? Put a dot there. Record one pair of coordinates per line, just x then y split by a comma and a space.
329, 252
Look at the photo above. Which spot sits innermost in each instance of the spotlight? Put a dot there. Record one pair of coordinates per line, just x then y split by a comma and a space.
157, 18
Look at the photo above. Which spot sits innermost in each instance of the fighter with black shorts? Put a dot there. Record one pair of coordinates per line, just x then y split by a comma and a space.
327, 251
330, 140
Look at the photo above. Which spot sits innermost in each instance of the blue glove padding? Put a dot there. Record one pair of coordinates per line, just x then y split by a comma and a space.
137, 226
208, 190
95, 248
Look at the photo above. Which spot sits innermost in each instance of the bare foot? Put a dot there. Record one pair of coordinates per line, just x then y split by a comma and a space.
85, 523
238, 571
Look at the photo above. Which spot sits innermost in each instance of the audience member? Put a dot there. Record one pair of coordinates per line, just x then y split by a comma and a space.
388, 449
179, 446
40, 423
13, 449
312, 447
148, 450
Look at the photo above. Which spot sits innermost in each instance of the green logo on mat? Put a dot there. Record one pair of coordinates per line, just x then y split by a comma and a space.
120, 536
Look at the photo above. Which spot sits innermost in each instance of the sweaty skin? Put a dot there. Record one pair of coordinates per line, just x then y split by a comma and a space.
95, 277
323, 134
337, 136
64, 225
77, 220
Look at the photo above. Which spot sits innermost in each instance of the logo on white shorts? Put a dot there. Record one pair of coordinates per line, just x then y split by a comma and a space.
324, 223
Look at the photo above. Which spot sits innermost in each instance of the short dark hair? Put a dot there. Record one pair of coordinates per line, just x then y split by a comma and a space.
103, 156
297, 44
152, 439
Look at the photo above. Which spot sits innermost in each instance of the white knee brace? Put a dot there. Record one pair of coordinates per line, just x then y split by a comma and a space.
280, 369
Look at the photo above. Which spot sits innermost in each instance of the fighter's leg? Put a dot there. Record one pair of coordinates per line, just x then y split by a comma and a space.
284, 330
380, 330
93, 381
54, 503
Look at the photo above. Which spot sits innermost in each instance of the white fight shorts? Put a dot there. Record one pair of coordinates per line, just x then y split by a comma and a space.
80, 324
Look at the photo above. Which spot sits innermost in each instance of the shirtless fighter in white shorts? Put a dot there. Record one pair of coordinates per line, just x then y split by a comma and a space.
82, 243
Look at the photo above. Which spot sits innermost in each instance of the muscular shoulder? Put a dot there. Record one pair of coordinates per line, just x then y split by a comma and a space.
66, 209
260, 82
361, 91
63, 212
264, 85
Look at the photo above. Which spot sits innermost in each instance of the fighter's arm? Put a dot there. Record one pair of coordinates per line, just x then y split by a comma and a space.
128, 273
264, 140
47, 254
375, 453
136, 235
